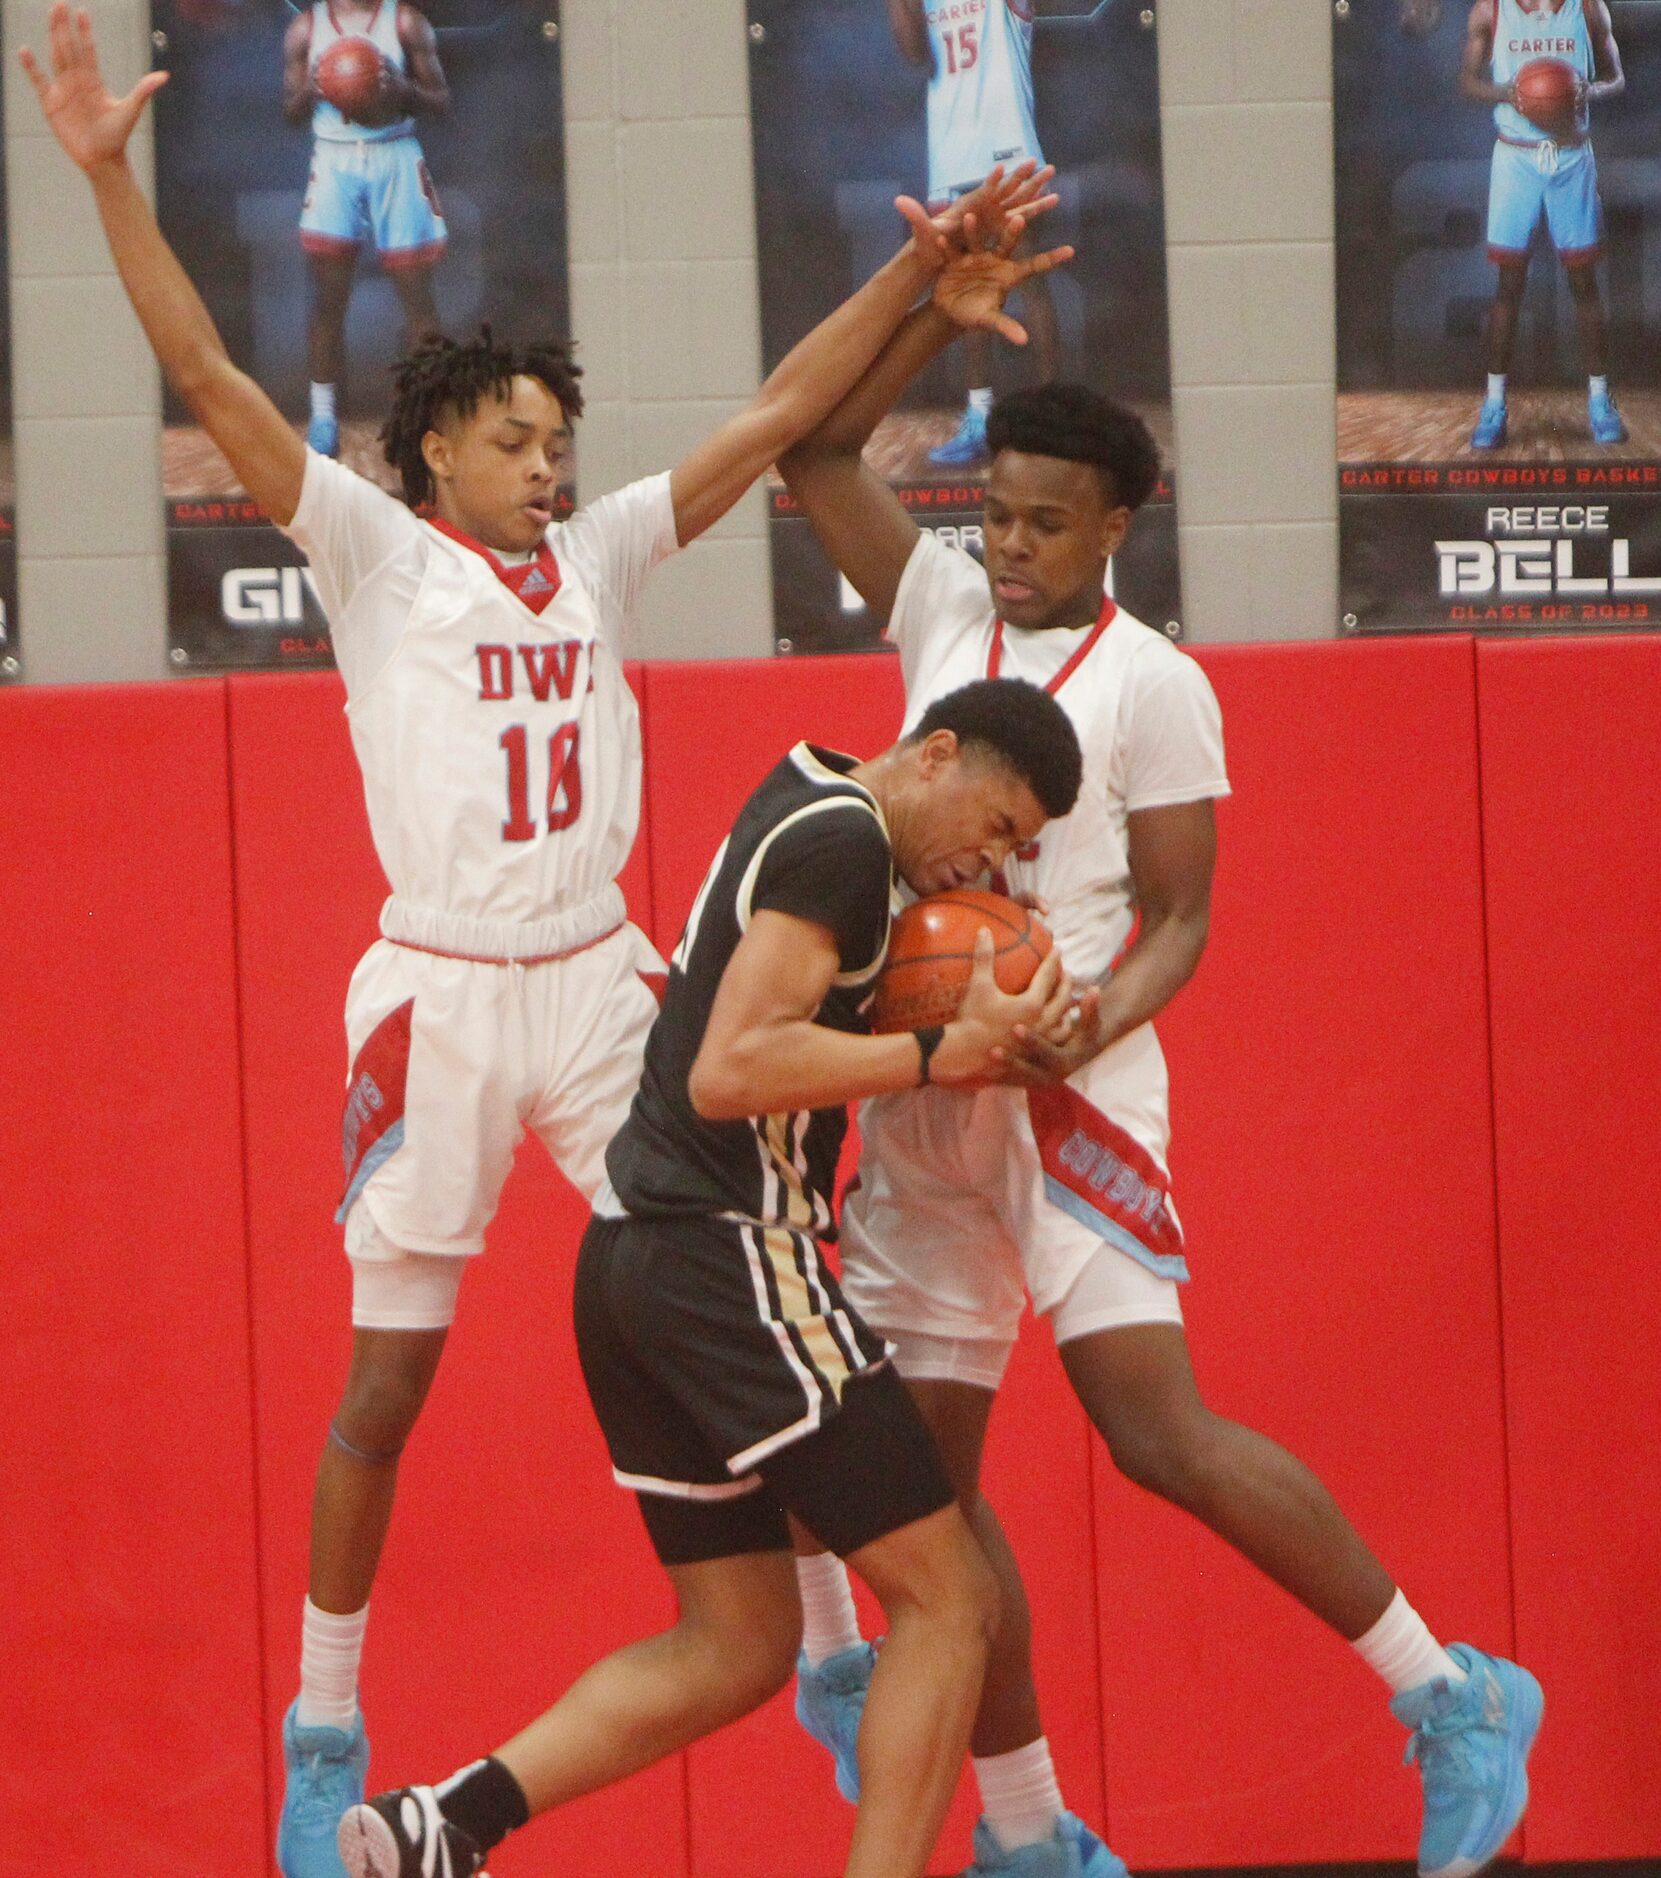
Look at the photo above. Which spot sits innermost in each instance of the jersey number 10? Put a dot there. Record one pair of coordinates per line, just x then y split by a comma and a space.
565, 782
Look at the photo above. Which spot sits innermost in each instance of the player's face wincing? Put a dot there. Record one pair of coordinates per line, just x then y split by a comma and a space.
966, 813
495, 472
1050, 531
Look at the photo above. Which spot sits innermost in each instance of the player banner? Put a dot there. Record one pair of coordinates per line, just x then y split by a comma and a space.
1499, 293
11, 658
337, 177
846, 116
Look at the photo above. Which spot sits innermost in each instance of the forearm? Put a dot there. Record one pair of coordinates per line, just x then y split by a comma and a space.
922, 336
1152, 972
799, 1064
169, 308
817, 375
1603, 89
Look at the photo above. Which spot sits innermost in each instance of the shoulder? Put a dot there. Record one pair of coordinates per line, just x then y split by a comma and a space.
1154, 663
414, 28
1481, 17
297, 35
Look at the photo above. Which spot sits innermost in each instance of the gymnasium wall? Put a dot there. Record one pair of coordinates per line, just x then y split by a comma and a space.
1414, 1111
664, 301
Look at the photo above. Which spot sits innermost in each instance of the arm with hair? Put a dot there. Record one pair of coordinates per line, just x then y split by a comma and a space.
93, 128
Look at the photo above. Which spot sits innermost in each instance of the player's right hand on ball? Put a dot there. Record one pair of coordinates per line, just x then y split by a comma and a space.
979, 1042
92, 125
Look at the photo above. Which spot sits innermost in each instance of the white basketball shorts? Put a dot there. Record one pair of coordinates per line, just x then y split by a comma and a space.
453, 1059
968, 1201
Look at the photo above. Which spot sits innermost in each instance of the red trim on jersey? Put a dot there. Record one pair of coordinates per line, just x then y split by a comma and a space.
1580, 257
541, 958
542, 574
1104, 619
1102, 1166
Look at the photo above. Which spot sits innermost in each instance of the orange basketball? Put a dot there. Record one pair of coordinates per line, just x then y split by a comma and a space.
931, 951
1546, 94
349, 75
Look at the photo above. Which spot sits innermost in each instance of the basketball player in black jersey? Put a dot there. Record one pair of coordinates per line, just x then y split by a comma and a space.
731, 1379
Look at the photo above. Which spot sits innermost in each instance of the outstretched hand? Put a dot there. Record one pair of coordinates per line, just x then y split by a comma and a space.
972, 287
980, 217
92, 125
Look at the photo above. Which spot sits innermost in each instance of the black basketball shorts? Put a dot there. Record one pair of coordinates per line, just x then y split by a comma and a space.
733, 1383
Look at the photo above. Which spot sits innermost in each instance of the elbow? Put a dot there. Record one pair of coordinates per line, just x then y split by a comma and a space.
714, 1089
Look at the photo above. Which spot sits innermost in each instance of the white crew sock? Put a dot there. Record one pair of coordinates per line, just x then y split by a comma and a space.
322, 400
1598, 387
1496, 386
330, 1649
980, 399
1403, 1651
829, 1620
1019, 1798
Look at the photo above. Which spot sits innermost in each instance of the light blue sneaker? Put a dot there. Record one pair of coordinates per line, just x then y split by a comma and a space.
1061, 1856
967, 444
1608, 426
323, 434
830, 1700
1095, 1860
1490, 425
1471, 1740
326, 1772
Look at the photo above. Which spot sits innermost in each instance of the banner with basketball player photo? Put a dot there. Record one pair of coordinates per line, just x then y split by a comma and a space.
854, 102
1499, 301
339, 177
11, 656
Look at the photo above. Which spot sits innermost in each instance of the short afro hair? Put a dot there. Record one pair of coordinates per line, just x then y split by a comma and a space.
1080, 426
439, 376
1021, 725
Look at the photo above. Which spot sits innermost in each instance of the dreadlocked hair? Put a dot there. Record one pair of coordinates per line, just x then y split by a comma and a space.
440, 377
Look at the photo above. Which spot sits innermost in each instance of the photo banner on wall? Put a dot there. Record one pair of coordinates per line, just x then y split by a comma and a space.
11, 652
329, 213
846, 116
1499, 300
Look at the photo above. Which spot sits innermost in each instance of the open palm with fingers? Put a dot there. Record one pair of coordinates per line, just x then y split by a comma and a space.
971, 289
980, 218
92, 125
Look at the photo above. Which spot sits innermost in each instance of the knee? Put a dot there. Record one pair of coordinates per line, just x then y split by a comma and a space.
752, 1661
382, 1400
1169, 1456
1583, 284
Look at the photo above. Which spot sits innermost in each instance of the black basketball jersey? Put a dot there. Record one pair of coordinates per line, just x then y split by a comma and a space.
811, 843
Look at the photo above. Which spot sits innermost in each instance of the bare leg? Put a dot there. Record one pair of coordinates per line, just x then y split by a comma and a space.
1137, 1386
331, 283
733, 1646
1502, 319
1037, 314
1589, 315
386, 1386
940, 1601
414, 288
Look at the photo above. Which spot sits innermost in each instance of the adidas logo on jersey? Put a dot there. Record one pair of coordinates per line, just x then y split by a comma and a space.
535, 582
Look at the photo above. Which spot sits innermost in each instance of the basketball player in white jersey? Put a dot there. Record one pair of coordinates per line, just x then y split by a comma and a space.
967, 1201
369, 181
500, 749
978, 54
1538, 173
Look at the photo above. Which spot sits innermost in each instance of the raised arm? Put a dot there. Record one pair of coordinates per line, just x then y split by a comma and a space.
860, 522
93, 128
814, 377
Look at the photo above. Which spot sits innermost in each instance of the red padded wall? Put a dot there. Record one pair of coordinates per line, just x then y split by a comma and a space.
511, 1563
1571, 776
763, 1803
1332, 1160
129, 1628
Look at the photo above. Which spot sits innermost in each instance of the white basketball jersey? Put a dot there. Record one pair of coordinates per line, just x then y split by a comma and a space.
500, 747
980, 109
1147, 723
1520, 38
382, 34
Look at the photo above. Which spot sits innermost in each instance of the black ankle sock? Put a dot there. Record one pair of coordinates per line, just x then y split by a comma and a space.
485, 1801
